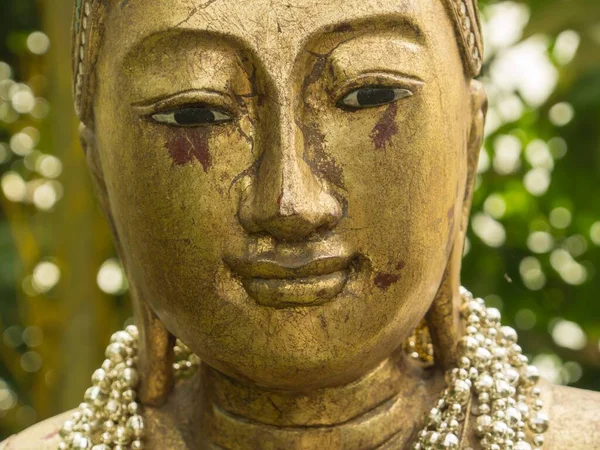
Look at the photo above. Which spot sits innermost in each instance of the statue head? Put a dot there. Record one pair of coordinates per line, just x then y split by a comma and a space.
288, 183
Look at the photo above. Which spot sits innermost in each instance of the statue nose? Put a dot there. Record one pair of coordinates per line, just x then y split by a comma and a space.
286, 199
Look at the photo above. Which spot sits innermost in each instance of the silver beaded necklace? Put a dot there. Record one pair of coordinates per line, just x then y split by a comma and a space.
493, 381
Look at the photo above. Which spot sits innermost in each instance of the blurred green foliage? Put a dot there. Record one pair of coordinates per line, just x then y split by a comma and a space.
534, 241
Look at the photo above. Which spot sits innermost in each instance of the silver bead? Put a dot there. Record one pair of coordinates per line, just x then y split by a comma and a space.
460, 391
450, 441
95, 396
522, 445
539, 423
468, 345
482, 356
122, 435
509, 334
501, 389
133, 331
136, 424
133, 408
434, 417
484, 383
131, 377
483, 424
513, 417
493, 316
116, 352
498, 429
512, 376
122, 337
530, 375
432, 437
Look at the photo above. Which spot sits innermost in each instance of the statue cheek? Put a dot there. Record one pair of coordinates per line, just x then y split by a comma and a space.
187, 145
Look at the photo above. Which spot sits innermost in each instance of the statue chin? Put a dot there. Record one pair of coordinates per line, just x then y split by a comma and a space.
289, 185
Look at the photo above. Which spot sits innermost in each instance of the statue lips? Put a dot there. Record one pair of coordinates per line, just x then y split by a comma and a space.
302, 279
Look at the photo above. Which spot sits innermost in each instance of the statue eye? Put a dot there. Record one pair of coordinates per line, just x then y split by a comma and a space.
193, 116
371, 96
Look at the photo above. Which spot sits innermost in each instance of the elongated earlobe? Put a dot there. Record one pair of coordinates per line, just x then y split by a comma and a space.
156, 356
443, 316
155, 342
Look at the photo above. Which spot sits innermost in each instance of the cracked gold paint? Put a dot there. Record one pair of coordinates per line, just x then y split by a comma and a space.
295, 248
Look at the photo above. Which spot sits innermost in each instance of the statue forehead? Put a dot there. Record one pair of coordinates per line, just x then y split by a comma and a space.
267, 28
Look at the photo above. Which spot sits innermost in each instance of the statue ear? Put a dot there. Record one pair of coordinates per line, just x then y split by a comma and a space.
88, 144
443, 316
155, 342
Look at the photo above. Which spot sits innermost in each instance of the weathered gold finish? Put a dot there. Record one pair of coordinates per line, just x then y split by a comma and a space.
292, 238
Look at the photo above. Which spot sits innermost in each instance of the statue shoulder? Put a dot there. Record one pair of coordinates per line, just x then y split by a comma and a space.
41, 436
574, 419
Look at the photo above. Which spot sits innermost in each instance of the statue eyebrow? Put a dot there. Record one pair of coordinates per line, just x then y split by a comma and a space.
404, 26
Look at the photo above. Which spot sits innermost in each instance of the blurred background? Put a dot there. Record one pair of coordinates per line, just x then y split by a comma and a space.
533, 249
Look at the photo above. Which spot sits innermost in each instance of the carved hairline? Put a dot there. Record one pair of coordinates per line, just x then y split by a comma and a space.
87, 31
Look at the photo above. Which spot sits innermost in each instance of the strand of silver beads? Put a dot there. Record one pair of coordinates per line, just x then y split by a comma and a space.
496, 379
493, 376
109, 418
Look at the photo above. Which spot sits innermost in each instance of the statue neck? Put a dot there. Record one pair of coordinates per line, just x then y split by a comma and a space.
386, 405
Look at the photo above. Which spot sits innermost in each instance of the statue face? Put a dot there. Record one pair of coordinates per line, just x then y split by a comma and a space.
285, 178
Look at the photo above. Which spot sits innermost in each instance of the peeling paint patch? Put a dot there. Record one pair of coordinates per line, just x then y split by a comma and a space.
384, 280
190, 145
385, 128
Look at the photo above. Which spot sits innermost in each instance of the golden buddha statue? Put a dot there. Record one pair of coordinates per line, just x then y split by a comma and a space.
288, 184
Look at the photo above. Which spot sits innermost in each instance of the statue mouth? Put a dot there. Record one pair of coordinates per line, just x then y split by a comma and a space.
298, 279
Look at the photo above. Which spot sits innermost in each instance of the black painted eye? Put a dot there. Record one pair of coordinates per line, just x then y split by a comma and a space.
371, 96
193, 116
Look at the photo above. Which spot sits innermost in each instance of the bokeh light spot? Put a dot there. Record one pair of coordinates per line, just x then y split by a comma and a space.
13, 336
566, 46
561, 114
489, 230
537, 181
495, 206
525, 319
560, 218
44, 197
540, 242
595, 233
33, 336
111, 278
38, 43
568, 334
531, 273
31, 361
13, 186
48, 166
45, 276
507, 157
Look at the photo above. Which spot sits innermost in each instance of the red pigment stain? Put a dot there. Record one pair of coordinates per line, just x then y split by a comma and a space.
190, 145
323, 322
385, 280
450, 213
51, 435
385, 128
401, 265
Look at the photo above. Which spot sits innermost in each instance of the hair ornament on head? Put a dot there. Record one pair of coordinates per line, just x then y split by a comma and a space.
87, 36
